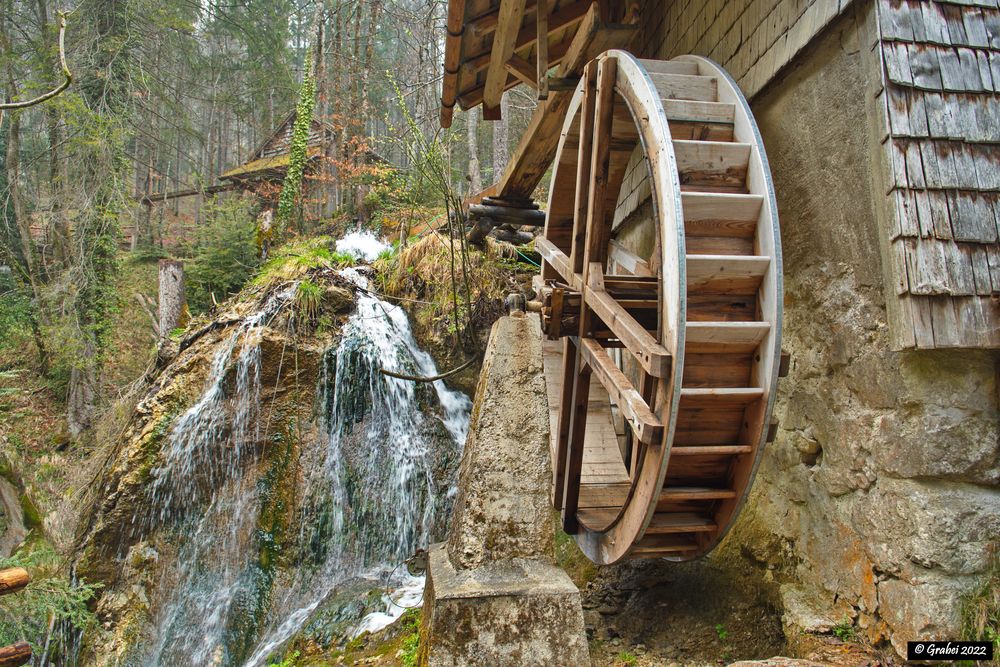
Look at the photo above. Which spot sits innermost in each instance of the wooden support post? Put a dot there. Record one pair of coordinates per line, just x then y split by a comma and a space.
542, 48
599, 233
15, 655
580, 397
13, 579
563, 423
508, 26
583, 165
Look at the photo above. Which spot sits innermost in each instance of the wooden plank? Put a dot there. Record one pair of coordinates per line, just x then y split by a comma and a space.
710, 450
685, 87
712, 214
699, 110
712, 163
669, 67
728, 336
681, 522
613, 495
707, 308
564, 420
719, 397
556, 258
726, 274
598, 231
680, 493
508, 25
647, 428
15, 655
657, 545
628, 260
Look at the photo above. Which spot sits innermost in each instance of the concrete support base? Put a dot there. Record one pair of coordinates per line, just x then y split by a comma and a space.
520, 613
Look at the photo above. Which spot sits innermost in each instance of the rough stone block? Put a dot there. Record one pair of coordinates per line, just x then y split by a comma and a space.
519, 613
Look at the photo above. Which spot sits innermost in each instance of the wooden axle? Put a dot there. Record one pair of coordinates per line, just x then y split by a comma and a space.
13, 579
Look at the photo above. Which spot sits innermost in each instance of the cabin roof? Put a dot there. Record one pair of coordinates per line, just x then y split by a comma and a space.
272, 156
472, 45
275, 163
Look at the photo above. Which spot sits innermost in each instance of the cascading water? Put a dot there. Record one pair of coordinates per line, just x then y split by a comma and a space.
372, 483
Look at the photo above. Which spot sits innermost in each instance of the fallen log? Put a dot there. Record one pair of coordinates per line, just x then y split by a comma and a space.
513, 237
13, 579
15, 655
516, 216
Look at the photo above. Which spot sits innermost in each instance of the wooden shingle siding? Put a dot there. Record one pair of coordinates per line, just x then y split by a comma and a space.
938, 156
751, 39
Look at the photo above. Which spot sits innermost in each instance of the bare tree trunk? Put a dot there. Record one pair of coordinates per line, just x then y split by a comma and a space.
472, 129
82, 381
171, 306
501, 145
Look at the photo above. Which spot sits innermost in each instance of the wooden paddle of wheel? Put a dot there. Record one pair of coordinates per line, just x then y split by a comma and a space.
684, 342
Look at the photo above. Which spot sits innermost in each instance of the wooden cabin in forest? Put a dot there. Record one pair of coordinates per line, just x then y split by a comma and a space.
871, 130
264, 171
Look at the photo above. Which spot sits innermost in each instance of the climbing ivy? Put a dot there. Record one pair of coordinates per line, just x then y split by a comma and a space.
298, 153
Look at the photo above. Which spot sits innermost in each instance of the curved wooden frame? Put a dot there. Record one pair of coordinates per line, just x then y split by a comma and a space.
575, 249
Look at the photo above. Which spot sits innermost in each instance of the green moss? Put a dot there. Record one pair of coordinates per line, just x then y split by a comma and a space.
153, 444
32, 516
274, 492
569, 557
296, 259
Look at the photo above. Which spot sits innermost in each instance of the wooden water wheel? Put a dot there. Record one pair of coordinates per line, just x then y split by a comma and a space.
680, 324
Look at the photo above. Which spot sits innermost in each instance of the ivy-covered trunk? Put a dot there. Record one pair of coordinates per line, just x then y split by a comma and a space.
106, 90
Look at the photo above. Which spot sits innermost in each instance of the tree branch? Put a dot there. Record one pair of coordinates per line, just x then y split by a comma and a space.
55, 91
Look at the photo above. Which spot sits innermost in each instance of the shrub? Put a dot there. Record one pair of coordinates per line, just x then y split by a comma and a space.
26, 615
224, 254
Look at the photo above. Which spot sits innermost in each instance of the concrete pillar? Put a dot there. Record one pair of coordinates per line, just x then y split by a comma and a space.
494, 595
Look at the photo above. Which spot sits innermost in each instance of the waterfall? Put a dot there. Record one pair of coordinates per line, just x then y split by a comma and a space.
372, 483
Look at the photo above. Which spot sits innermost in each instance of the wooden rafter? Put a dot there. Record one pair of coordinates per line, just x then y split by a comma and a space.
504, 43
538, 144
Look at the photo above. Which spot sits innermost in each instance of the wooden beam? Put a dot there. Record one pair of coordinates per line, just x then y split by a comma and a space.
527, 37
598, 232
540, 140
542, 49
452, 53
504, 42
583, 166
647, 427
523, 70
653, 357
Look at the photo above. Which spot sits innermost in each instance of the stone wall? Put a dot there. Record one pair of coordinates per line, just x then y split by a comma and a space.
883, 478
